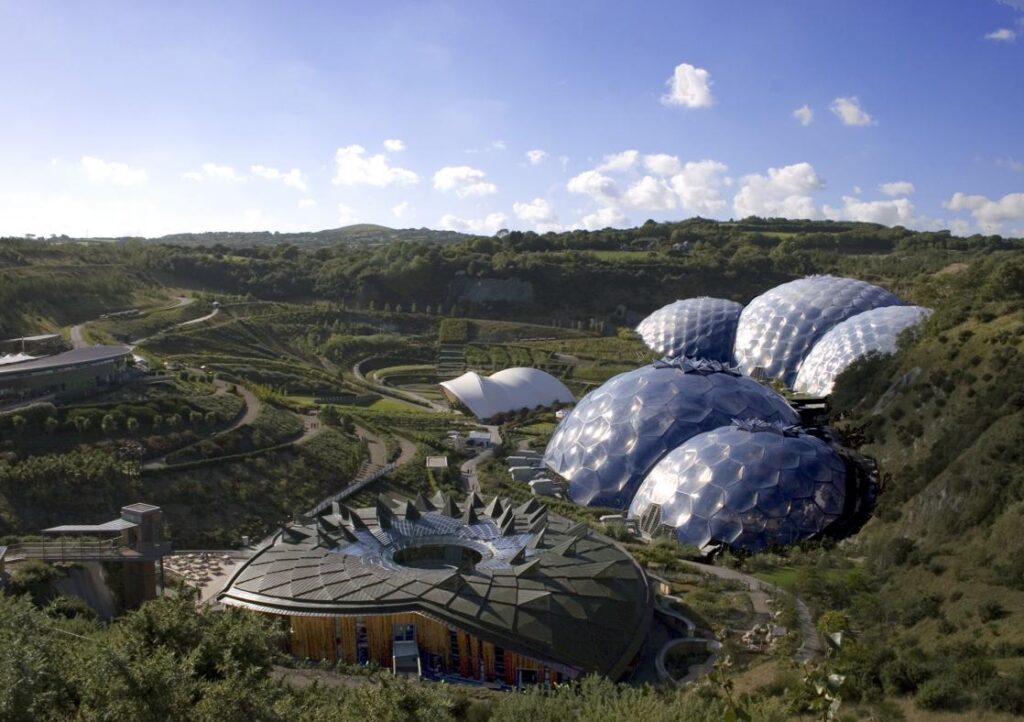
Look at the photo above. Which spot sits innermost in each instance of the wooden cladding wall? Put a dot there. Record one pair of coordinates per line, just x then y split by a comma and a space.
336, 638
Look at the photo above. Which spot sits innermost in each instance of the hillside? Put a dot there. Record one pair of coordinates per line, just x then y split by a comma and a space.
929, 594
360, 234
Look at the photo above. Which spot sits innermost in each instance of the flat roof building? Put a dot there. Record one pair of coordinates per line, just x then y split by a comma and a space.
74, 372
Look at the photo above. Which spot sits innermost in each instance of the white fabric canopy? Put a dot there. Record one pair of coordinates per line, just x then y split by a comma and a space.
508, 390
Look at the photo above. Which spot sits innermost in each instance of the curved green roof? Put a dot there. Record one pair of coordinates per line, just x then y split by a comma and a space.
540, 585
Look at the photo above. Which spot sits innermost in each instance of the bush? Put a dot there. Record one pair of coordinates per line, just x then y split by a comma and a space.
1004, 694
991, 611
941, 694
904, 675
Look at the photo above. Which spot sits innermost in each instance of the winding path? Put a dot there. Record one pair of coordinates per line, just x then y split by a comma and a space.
399, 395
810, 646
252, 410
78, 340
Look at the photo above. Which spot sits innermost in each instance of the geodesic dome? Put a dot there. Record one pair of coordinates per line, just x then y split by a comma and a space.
778, 328
872, 331
607, 444
748, 485
695, 327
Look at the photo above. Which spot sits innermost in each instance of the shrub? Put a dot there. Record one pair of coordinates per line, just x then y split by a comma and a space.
1004, 694
904, 675
941, 694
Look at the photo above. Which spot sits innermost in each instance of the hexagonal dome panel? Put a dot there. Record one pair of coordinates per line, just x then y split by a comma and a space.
872, 331
695, 327
605, 447
778, 328
751, 485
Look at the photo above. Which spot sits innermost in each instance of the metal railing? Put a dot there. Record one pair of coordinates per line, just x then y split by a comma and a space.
351, 489
84, 550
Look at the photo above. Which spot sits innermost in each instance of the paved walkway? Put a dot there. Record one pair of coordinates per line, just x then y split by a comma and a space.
252, 410
470, 480
77, 340
760, 591
398, 394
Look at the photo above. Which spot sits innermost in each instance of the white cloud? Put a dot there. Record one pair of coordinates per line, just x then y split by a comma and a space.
594, 184
212, 171
804, 114
619, 161
782, 193
394, 145
849, 111
662, 164
1002, 35
498, 145
307, 203
103, 171
487, 226
897, 188
603, 218
539, 214
346, 214
896, 212
400, 209
292, 178
464, 180
354, 167
989, 214
649, 194
1014, 165
536, 157
698, 185
856, 190
690, 87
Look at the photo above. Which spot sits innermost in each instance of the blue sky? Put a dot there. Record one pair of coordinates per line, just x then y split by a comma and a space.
150, 118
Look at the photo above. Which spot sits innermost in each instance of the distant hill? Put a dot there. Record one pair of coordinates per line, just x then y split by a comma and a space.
361, 234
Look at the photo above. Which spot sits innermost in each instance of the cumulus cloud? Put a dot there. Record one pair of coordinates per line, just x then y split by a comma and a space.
619, 161
689, 87
1002, 35
104, 171
307, 203
354, 167
649, 194
539, 214
662, 164
394, 145
897, 212
594, 184
604, 218
346, 214
212, 171
804, 114
897, 188
849, 111
698, 185
989, 214
292, 178
536, 157
486, 226
399, 210
464, 181
781, 193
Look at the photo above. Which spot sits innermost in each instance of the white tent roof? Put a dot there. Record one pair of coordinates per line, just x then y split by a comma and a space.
508, 390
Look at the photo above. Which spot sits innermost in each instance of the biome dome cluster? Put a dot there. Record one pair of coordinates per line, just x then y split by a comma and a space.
705, 448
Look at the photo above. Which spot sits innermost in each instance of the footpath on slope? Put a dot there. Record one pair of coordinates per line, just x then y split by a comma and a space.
413, 399
760, 590
252, 410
